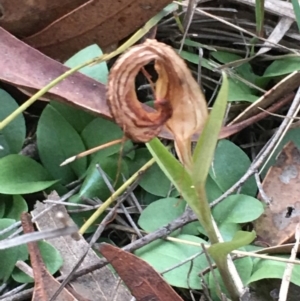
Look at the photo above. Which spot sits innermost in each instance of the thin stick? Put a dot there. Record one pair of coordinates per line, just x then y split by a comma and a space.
286, 279
114, 196
91, 151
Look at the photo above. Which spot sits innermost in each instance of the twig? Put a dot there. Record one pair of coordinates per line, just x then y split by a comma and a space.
286, 278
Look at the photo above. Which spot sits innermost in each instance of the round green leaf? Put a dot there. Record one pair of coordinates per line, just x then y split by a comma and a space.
100, 131
3, 199
57, 140
237, 208
270, 269
51, 258
77, 118
162, 255
15, 206
229, 165
95, 186
8, 257
98, 72
162, 212
13, 135
153, 180
21, 175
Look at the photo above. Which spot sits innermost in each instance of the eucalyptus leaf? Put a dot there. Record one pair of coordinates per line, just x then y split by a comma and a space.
162, 255
51, 257
22, 175
57, 140
237, 208
13, 135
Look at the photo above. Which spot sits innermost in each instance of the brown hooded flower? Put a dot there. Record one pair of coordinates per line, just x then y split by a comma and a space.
179, 105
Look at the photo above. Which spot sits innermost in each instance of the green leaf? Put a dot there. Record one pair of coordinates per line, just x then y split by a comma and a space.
153, 180
175, 172
8, 257
240, 239
13, 135
213, 191
270, 269
100, 131
237, 208
98, 71
205, 148
21, 175
219, 252
57, 140
291, 135
162, 212
283, 67
195, 59
94, 185
3, 199
244, 70
165, 254
77, 118
229, 165
238, 91
51, 258
198, 45
244, 267
228, 230
296, 8
15, 206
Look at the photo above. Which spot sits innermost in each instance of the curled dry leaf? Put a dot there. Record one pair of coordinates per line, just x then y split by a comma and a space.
180, 105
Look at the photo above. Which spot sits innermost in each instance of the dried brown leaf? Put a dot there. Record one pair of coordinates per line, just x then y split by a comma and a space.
44, 284
101, 22
277, 224
143, 281
102, 282
24, 19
